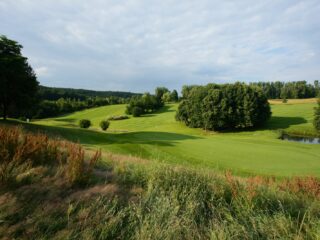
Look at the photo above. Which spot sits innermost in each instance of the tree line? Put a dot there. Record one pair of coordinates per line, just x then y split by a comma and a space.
285, 90
53, 93
47, 108
225, 106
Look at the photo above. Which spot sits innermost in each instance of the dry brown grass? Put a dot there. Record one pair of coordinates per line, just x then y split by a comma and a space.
20, 152
119, 158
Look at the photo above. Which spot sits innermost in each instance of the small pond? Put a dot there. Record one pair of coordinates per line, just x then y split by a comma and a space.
307, 140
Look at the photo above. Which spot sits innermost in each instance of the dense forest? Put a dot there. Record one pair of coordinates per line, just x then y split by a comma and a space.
52, 93
285, 90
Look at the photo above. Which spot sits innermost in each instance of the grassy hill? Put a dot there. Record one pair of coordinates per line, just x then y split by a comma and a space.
53, 189
158, 137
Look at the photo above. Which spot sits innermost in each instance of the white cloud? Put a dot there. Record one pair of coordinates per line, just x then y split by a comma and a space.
136, 45
41, 71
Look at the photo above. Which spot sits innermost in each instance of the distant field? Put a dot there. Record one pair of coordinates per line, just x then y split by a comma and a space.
293, 101
159, 137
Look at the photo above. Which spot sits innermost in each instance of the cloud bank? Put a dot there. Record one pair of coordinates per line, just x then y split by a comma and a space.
138, 45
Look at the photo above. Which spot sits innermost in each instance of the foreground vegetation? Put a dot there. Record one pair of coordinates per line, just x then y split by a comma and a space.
127, 198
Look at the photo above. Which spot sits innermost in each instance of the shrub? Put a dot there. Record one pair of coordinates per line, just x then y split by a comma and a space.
85, 123
316, 120
104, 124
137, 111
228, 106
121, 117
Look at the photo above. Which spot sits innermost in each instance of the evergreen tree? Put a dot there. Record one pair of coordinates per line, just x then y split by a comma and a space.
18, 83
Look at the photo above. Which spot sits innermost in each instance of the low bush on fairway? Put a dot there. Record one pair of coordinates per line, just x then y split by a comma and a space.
85, 123
104, 124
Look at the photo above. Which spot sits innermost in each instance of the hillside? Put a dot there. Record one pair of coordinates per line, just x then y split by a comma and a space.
158, 137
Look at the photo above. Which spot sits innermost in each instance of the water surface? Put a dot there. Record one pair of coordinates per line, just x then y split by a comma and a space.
306, 140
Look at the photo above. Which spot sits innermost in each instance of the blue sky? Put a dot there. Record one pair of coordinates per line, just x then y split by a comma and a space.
138, 45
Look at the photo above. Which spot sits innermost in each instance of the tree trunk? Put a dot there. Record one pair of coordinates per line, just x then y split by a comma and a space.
4, 112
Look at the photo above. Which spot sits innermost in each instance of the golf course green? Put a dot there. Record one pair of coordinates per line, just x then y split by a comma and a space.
159, 137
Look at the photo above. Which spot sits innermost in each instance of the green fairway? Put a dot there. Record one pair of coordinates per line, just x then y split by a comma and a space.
159, 137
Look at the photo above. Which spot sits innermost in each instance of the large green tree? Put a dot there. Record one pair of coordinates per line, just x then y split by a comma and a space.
18, 82
160, 91
174, 96
227, 106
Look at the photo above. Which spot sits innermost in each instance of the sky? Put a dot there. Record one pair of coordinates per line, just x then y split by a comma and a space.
139, 45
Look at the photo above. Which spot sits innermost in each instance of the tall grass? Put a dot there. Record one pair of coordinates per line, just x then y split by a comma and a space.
20, 152
184, 204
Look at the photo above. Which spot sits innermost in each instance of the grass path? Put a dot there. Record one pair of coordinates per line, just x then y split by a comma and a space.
159, 137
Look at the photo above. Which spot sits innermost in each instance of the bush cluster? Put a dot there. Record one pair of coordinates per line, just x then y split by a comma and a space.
120, 117
146, 103
227, 106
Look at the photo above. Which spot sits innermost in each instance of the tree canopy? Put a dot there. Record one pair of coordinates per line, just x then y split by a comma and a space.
227, 106
18, 83
285, 90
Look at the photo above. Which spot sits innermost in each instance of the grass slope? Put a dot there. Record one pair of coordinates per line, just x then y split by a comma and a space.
130, 198
159, 137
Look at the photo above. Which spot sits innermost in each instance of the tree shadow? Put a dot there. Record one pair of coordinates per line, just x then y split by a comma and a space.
95, 137
70, 120
66, 122
164, 109
275, 123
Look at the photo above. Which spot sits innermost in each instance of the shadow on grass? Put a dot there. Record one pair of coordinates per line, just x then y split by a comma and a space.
70, 120
164, 109
89, 137
275, 123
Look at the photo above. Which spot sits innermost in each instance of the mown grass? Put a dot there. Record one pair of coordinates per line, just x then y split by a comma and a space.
160, 138
132, 198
